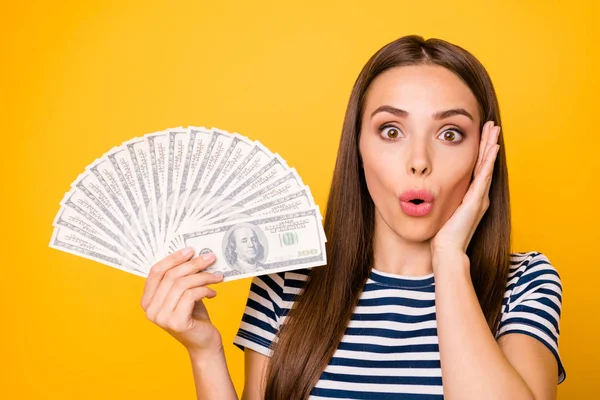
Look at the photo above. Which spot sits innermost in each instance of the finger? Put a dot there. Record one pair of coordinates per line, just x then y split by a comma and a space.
483, 182
475, 199
483, 143
483, 158
494, 157
191, 267
172, 260
494, 134
182, 285
492, 139
158, 270
185, 307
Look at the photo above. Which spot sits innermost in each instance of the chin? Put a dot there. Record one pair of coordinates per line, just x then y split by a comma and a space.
415, 231
412, 229
416, 236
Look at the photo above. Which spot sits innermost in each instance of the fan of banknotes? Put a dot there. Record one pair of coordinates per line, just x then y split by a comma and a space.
210, 189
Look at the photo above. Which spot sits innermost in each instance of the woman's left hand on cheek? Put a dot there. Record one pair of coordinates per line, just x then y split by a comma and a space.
456, 233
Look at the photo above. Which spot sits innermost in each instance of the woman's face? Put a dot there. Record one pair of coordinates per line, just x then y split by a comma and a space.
411, 140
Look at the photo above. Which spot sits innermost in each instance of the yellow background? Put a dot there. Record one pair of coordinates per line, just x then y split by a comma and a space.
81, 77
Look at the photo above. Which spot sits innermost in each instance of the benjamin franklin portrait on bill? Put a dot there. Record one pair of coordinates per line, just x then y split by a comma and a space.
245, 249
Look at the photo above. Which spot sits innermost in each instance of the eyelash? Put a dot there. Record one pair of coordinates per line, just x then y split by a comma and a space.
385, 126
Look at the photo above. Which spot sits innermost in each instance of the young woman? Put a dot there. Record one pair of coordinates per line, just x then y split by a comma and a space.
421, 297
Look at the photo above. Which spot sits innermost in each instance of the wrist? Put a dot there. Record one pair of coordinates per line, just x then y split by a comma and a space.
205, 358
450, 260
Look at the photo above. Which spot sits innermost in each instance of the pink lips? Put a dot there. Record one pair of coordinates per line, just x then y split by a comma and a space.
416, 203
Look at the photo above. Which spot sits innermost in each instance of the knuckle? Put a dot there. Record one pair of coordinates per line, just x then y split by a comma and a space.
166, 264
199, 262
203, 291
151, 273
151, 315
188, 295
162, 320
175, 325
193, 295
179, 285
171, 275
155, 272
171, 326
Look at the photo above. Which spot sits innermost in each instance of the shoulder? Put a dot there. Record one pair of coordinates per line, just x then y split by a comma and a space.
533, 302
531, 269
281, 281
294, 281
281, 287
284, 282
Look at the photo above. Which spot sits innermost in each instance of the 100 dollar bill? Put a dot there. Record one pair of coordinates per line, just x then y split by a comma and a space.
260, 245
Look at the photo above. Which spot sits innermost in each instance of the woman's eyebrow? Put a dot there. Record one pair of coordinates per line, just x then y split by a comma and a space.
438, 115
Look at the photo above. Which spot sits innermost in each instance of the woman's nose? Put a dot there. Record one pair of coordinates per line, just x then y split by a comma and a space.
419, 170
419, 163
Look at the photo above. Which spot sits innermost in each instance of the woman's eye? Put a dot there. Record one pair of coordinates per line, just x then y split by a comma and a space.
451, 135
390, 132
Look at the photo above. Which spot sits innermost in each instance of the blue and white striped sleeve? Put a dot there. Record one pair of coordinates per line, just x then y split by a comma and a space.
261, 320
534, 306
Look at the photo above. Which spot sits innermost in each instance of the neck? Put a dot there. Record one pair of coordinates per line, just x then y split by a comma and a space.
396, 255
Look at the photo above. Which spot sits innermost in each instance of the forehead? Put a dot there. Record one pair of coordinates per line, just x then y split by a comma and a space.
420, 89
243, 231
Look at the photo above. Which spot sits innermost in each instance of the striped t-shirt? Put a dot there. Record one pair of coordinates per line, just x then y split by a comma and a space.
390, 346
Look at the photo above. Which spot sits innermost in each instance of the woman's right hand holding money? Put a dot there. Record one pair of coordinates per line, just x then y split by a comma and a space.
172, 299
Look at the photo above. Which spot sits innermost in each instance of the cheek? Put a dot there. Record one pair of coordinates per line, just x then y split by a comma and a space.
380, 171
455, 179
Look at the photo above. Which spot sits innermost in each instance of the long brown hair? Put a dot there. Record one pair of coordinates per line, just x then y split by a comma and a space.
318, 319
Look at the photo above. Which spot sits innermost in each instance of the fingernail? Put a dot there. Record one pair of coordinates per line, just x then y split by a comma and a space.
208, 256
218, 275
188, 251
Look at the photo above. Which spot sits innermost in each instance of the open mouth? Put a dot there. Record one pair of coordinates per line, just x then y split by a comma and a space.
416, 203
